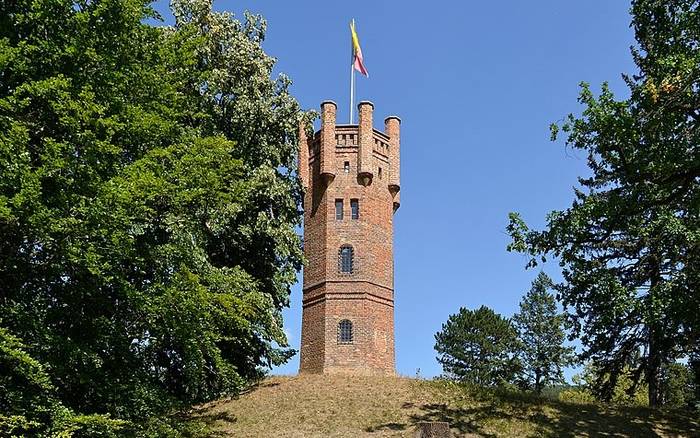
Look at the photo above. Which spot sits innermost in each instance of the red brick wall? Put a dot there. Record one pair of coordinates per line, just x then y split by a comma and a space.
366, 296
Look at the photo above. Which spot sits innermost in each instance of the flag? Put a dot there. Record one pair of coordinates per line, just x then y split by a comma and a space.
357, 51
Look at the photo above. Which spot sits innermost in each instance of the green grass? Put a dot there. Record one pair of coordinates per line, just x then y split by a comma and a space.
351, 406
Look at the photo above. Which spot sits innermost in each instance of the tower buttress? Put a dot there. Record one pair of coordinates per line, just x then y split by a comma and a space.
366, 141
303, 163
328, 110
392, 127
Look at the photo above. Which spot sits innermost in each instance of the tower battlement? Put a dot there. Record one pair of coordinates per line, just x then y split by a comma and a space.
351, 178
375, 149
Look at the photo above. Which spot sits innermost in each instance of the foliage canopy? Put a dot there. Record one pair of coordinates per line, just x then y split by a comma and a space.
148, 200
478, 347
629, 245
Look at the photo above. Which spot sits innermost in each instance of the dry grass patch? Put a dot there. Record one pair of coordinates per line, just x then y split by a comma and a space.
353, 406
310, 406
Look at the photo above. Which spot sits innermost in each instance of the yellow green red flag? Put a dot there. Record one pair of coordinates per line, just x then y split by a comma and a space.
357, 61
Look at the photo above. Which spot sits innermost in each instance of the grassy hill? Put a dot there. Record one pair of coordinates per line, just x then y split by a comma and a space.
340, 406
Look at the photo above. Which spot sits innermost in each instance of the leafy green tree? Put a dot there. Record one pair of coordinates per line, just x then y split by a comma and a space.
694, 367
148, 201
627, 391
478, 347
28, 403
677, 385
541, 330
629, 243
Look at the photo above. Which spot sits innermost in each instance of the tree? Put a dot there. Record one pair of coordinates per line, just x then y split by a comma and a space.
542, 336
694, 367
478, 347
28, 403
148, 201
627, 392
629, 245
677, 385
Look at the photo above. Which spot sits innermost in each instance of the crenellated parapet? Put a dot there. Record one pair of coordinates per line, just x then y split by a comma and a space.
347, 136
377, 153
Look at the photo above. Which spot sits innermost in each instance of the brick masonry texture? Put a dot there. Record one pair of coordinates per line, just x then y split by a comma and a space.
366, 296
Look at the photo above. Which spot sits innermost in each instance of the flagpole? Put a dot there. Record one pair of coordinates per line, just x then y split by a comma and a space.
352, 91
352, 76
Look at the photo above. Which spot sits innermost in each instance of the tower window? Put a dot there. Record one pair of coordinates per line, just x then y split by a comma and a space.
345, 259
345, 335
346, 167
355, 208
380, 173
339, 209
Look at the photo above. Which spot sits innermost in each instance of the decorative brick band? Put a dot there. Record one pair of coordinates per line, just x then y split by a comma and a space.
349, 296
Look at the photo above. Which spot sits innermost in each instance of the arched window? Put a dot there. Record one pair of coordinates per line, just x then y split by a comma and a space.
345, 259
345, 335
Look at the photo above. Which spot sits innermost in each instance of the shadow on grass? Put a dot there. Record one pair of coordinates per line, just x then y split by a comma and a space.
255, 386
210, 421
387, 426
482, 412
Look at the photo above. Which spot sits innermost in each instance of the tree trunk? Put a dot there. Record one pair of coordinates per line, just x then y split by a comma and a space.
655, 359
653, 373
538, 382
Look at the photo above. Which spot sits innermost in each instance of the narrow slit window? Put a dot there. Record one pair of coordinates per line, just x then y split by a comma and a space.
345, 334
339, 209
346, 167
380, 173
355, 208
345, 259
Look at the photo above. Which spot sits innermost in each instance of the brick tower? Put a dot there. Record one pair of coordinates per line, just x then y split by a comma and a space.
351, 176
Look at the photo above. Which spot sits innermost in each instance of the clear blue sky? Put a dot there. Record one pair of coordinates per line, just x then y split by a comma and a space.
476, 84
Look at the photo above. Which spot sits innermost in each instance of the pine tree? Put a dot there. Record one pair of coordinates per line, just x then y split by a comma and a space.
541, 330
478, 347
